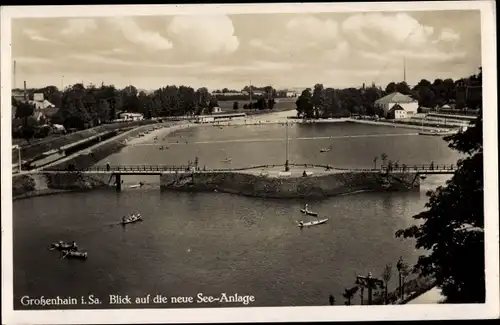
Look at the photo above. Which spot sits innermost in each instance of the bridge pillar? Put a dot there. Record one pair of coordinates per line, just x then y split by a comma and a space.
118, 184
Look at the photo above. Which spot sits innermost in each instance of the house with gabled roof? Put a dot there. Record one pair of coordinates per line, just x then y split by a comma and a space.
396, 112
407, 103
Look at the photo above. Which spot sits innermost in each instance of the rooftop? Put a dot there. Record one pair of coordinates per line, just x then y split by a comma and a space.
395, 97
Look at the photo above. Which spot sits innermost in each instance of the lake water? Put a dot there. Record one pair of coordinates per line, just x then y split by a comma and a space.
212, 243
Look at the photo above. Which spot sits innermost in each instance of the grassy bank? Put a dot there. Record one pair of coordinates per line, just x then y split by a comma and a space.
412, 289
32, 151
22, 184
90, 157
40, 184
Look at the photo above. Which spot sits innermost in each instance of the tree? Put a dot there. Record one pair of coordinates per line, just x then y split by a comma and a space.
304, 104
386, 276
317, 99
383, 157
212, 104
24, 110
202, 97
391, 87
452, 231
270, 103
348, 294
375, 162
235, 106
29, 128
403, 88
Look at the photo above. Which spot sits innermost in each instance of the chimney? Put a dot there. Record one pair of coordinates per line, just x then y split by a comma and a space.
25, 96
363, 85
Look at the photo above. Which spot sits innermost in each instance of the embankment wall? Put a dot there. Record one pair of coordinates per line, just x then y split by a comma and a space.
290, 187
43, 183
31, 151
87, 158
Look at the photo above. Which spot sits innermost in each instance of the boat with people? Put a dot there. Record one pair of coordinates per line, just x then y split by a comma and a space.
74, 254
308, 212
302, 224
141, 184
325, 149
60, 245
227, 160
438, 132
131, 219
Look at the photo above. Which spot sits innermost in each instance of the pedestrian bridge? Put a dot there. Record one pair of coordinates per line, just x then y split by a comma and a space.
116, 172
161, 169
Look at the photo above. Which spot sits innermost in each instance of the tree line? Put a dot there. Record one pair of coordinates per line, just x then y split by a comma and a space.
321, 102
80, 107
450, 230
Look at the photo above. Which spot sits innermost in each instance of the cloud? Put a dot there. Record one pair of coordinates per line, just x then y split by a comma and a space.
448, 35
339, 53
209, 34
35, 36
79, 26
100, 59
33, 60
135, 34
254, 66
259, 44
400, 28
300, 36
312, 29
429, 54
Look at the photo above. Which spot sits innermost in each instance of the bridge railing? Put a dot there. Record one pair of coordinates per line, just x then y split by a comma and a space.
183, 168
136, 168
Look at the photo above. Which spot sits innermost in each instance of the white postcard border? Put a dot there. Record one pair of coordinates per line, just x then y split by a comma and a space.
260, 314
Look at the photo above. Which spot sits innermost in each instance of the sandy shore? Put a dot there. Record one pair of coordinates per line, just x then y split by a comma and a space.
158, 131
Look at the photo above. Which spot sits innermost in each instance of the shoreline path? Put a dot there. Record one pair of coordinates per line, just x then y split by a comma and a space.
154, 131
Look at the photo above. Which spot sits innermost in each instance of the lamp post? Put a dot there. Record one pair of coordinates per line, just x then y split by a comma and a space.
287, 168
403, 272
19, 162
370, 283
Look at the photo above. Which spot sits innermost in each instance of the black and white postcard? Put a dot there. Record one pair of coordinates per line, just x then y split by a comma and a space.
249, 163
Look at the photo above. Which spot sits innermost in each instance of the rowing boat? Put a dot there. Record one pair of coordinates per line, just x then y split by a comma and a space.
74, 254
132, 219
309, 213
311, 223
62, 246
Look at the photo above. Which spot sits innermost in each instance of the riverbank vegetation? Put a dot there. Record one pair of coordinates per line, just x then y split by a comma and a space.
33, 150
321, 102
451, 229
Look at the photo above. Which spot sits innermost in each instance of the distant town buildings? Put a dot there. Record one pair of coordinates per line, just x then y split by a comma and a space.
406, 103
42, 108
125, 116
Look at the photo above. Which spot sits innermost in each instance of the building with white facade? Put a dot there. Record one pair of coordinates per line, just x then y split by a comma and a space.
131, 116
396, 112
408, 104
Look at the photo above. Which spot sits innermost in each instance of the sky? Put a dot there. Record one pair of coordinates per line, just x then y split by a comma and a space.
293, 50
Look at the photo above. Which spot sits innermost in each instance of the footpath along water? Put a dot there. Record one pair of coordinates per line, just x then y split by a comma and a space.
214, 243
